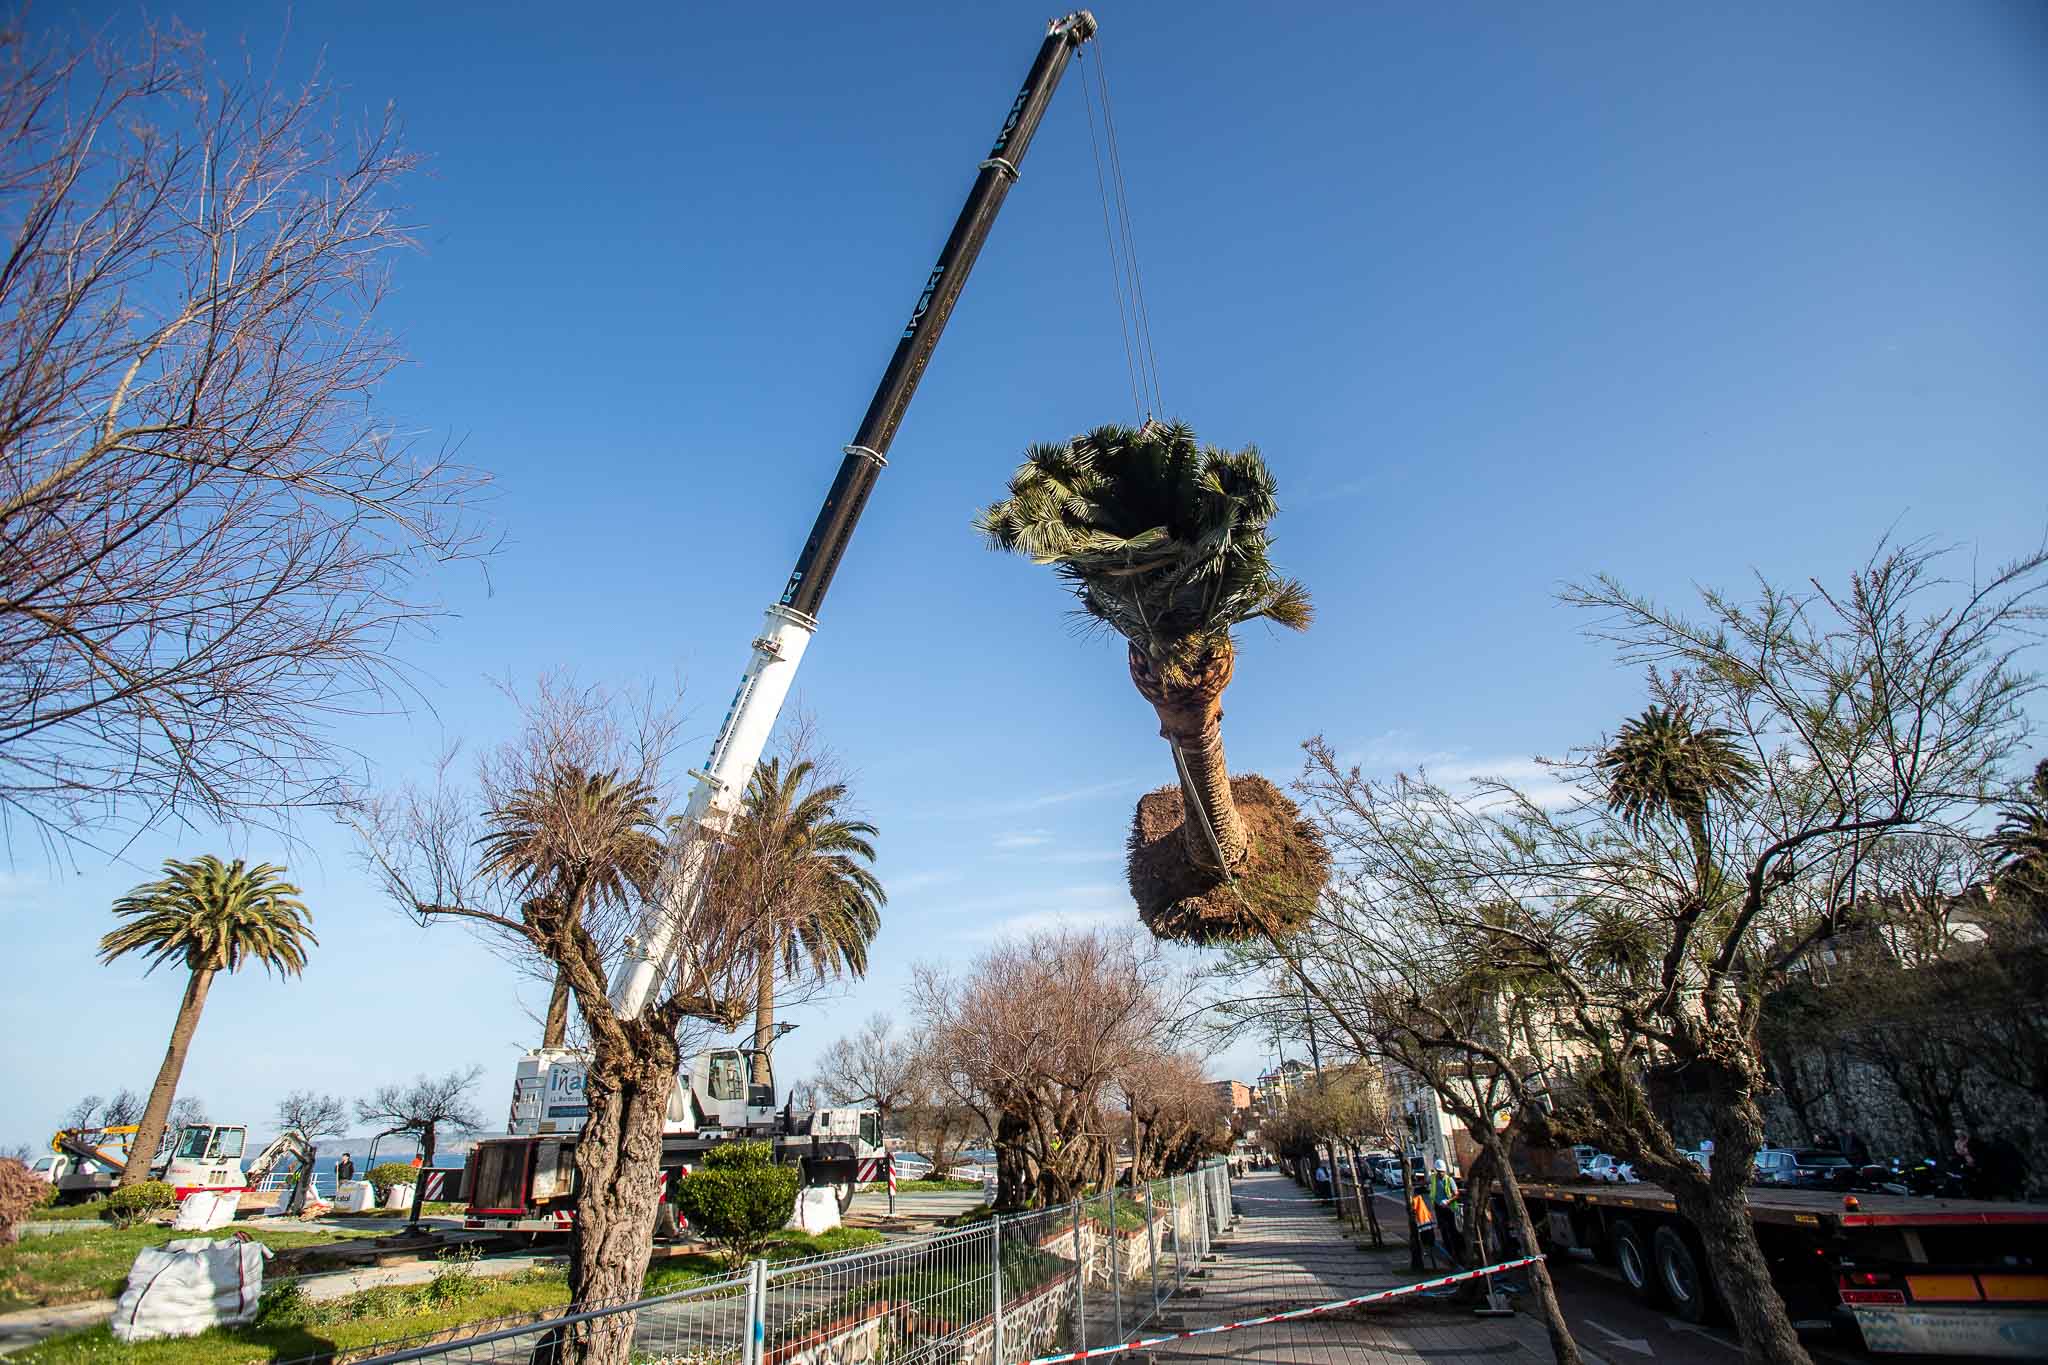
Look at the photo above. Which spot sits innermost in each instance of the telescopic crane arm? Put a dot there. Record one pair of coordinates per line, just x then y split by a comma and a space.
790, 623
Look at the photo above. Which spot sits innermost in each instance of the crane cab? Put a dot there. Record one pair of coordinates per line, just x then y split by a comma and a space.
207, 1156
731, 1089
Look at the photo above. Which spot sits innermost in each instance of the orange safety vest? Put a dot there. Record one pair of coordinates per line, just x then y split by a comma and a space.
1424, 1217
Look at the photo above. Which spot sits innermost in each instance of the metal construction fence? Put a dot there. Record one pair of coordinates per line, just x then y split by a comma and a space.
1091, 1273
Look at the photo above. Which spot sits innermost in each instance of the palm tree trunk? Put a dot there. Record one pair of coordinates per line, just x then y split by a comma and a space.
1191, 719
158, 1111
764, 1016
554, 1032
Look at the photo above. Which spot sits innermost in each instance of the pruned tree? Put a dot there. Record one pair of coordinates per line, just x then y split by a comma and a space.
313, 1115
944, 1112
209, 536
873, 1068
1042, 1028
425, 1108
1179, 1119
428, 846
185, 1109
1704, 848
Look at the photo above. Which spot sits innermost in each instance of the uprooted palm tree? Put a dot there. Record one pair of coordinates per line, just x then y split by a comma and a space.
578, 841
1164, 541
795, 860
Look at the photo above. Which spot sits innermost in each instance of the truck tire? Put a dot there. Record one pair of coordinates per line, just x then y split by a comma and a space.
1681, 1280
1632, 1259
843, 1192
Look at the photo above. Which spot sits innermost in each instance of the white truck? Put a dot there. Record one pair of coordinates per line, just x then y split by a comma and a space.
85, 1163
526, 1182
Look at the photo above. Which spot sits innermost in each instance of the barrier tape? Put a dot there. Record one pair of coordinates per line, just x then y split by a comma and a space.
1291, 1315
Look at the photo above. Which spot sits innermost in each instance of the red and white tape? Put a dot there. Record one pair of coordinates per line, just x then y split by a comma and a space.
1289, 1316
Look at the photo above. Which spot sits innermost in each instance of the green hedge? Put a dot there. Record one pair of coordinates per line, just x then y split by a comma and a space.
386, 1174
132, 1203
739, 1198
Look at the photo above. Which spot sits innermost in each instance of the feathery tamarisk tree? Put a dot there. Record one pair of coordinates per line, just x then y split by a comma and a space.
1699, 852
1164, 542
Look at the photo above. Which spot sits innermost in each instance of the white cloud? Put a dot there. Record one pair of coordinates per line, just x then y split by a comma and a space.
919, 881
1039, 921
1023, 838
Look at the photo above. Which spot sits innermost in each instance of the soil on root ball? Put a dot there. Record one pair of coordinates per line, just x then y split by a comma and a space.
1275, 888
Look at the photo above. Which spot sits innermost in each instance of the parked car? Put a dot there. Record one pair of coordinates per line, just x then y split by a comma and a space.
1609, 1170
1805, 1168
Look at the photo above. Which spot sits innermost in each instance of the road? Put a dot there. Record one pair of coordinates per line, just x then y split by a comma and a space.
1605, 1316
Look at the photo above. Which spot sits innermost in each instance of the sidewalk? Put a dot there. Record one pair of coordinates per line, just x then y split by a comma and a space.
1288, 1252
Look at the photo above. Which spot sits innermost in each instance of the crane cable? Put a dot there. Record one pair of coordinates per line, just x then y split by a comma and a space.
1134, 320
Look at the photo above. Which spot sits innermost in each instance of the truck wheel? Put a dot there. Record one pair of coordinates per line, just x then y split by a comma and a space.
1679, 1276
843, 1192
1632, 1259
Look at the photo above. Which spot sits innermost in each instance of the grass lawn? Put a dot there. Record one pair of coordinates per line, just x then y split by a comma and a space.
292, 1327
433, 1208
40, 1272
64, 1213
340, 1325
934, 1186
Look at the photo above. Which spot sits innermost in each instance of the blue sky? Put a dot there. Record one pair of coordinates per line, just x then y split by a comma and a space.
1507, 295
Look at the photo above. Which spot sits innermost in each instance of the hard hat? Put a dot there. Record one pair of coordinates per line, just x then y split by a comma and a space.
1440, 1163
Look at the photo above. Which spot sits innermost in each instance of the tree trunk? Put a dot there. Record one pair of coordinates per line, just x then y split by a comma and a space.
618, 1162
1717, 1207
764, 1017
150, 1133
1408, 1203
554, 1031
1013, 1162
1191, 719
1562, 1347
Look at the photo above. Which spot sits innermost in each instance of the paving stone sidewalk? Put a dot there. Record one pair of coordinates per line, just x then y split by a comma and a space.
1288, 1251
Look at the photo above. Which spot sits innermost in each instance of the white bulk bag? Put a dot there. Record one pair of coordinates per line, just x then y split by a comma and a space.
398, 1197
184, 1287
355, 1196
205, 1210
817, 1210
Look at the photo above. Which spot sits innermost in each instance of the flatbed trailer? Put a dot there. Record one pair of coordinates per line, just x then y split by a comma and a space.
1907, 1275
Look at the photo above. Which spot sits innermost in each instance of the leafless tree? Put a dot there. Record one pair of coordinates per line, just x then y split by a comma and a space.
84, 1113
125, 1108
422, 844
313, 1115
425, 1107
209, 538
1643, 939
1179, 1118
873, 1068
1043, 1027
185, 1109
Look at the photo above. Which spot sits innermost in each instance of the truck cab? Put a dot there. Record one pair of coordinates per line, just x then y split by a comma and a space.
207, 1156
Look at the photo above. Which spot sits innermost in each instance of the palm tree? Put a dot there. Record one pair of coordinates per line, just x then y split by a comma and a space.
577, 841
2020, 846
211, 916
1663, 763
1164, 541
795, 863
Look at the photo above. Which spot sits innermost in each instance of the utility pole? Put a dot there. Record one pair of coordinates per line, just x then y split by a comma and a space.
1308, 1015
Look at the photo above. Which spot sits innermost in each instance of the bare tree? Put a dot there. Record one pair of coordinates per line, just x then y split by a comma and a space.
185, 1109
313, 1115
424, 1108
423, 844
208, 537
1043, 1027
1836, 721
125, 1108
84, 1113
1179, 1118
873, 1067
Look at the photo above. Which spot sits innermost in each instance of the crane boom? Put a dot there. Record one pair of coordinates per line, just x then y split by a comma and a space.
791, 621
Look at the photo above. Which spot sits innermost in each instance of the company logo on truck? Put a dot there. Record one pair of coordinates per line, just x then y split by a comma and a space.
565, 1094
